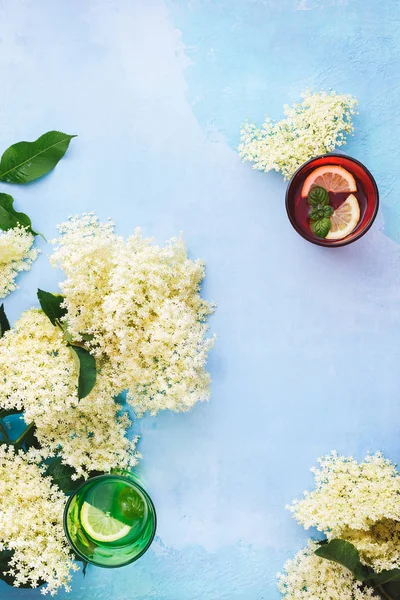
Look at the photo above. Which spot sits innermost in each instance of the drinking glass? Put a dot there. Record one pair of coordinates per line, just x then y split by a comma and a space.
367, 195
110, 520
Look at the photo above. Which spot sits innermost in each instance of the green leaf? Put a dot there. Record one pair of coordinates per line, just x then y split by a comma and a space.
87, 370
321, 227
4, 437
328, 211
318, 195
9, 412
88, 337
28, 438
391, 590
51, 306
9, 218
26, 161
61, 475
344, 554
384, 577
4, 324
314, 214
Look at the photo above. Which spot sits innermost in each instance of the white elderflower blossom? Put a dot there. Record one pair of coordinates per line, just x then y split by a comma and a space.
350, 495
16, 255
31, 524
379, 547
141, 304
39, 375
308, 577
315, 126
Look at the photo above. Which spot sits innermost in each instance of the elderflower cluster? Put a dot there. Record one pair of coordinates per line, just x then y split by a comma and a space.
317, 125
39, 375
308, 577
350, 495
31, 524
16, 255
141, 305
356, 502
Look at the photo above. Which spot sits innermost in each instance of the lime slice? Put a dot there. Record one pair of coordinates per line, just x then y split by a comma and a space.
345, 219
101, 526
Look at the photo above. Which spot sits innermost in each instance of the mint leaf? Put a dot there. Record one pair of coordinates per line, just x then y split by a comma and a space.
9, 218
4, 324
26, 161
318, 195
321, 227
345, 554
51, 306
320, 211
315, 214
87, 370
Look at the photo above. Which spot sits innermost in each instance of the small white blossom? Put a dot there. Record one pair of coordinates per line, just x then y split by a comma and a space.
141, 303
379, 547
308, 577
31, 524
16, 255
317, 125
39, 375
350, 495
356, 502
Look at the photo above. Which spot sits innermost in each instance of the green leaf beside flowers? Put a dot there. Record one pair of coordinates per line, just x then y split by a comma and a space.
86, 363
10, 218
345, 554
385, 583
61, 475
51, 306
28, 438
26, 161
4, 324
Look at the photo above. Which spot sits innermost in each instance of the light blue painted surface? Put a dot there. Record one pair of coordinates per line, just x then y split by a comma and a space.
308, 353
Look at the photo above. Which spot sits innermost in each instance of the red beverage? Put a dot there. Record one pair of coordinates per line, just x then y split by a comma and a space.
366, 193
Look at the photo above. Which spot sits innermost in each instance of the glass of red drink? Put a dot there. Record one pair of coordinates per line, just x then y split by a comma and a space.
356, 187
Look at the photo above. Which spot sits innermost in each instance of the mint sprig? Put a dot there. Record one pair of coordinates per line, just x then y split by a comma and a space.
320, 211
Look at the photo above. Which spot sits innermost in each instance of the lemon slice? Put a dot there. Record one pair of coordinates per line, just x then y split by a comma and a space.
332, 178
345, 219
101, 526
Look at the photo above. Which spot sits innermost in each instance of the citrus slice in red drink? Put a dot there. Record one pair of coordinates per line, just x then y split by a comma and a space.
345, 219
331, 177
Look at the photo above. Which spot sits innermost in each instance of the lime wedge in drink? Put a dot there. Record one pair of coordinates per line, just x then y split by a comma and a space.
101, 526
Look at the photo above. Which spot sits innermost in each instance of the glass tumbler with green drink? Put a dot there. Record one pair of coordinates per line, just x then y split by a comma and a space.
110, 520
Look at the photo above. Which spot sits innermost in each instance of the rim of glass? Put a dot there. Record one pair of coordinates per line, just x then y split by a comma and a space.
134, 484
339, 243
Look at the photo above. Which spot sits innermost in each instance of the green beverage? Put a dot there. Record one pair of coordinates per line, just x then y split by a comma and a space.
110, 521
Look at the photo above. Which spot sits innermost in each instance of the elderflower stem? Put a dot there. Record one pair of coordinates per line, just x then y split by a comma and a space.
24, 434
383, 593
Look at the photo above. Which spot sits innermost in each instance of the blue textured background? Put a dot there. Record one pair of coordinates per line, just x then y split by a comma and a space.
308, 353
